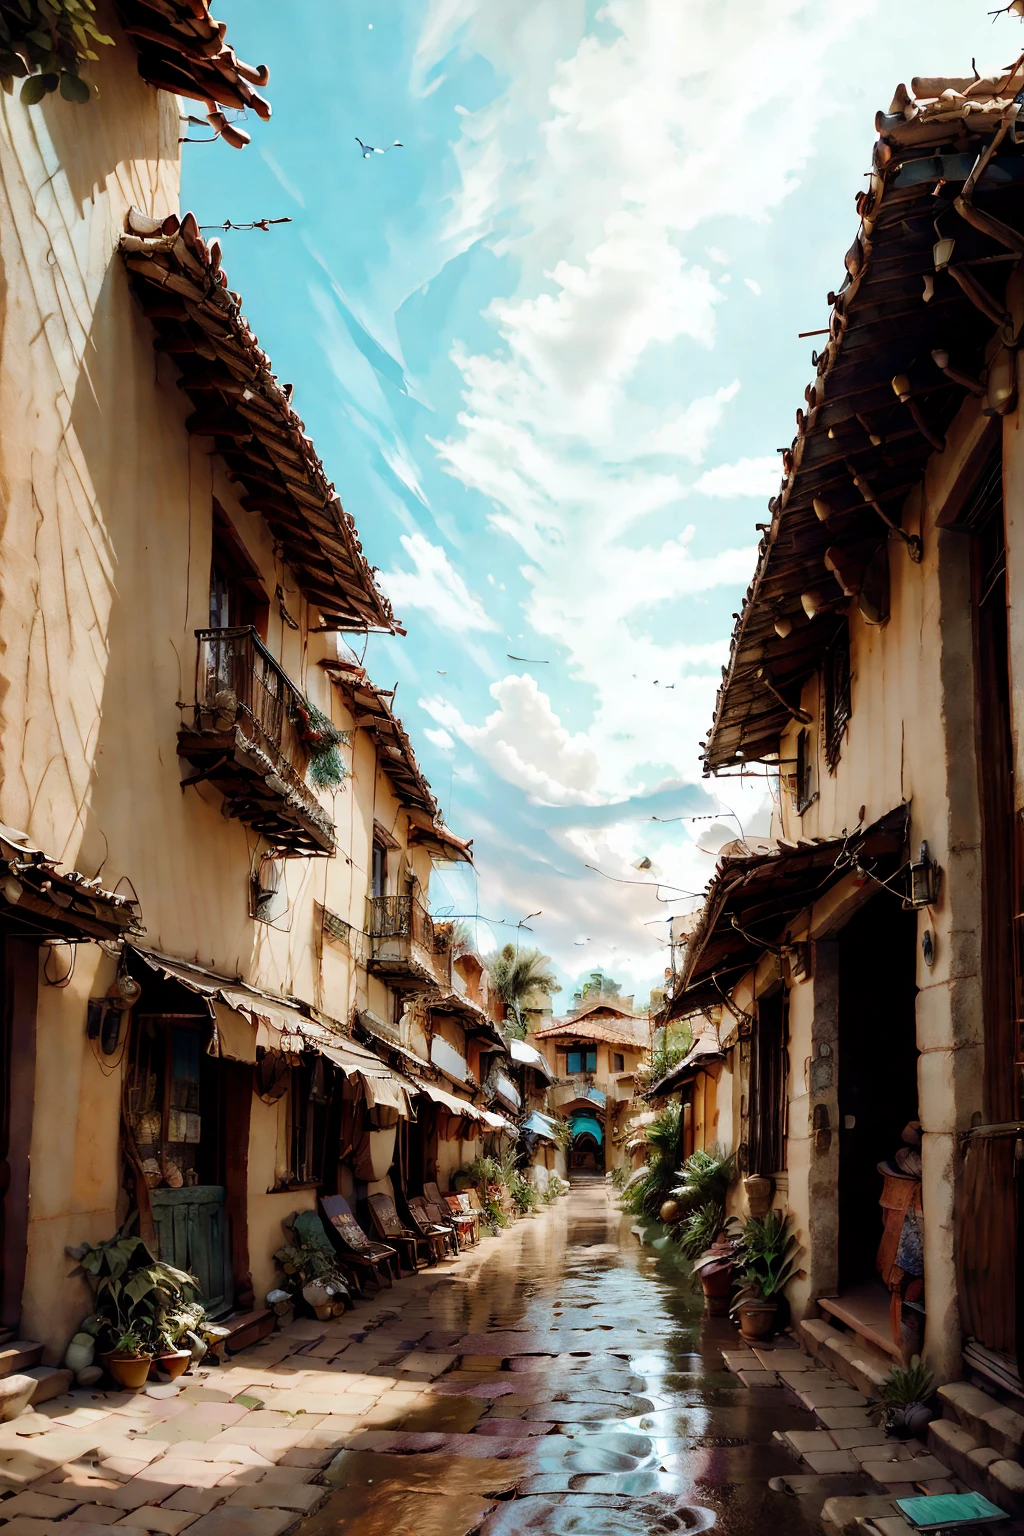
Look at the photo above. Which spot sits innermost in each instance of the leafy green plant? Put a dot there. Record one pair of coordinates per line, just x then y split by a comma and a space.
699, 1230
619, 1176
643, 1196
493, 1212
905, 1384
321, 739
129, 1345
670, 1046
135, 1292
706, 1176
517, 975
766, 1249
45, 43
484, 1170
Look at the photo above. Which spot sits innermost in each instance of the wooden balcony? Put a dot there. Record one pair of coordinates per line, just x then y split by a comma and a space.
244, 739
405, 950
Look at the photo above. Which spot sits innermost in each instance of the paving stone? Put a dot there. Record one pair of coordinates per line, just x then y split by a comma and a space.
306, 1456
789, 1360
95, 1514
243, 1456
196, 1501
38, 1506
917, 1467
824, 1462
24, 1525
225, 1521
157, 1517
758, 1378
133, 1494
301, 1497
847, 1439
843, 1512
183, 1472
844, 1418
126, 1467
831, 1397
886, 1450
290, 1475
328, 1435
268, 1441
420, 1362
804, 1440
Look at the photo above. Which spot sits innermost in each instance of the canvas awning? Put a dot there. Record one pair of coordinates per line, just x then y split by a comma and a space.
498, 1122
586, 1125
244, 1019
529, 1056
541, 1125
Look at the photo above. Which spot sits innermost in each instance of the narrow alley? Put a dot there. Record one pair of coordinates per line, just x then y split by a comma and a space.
557, 1378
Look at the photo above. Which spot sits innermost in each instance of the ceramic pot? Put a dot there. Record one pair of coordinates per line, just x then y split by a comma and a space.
910, 1422
173, 1364
130, 1371
716, 1283
758, 1191
757, 1319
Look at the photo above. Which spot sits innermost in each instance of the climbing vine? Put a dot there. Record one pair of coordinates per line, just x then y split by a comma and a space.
44, 43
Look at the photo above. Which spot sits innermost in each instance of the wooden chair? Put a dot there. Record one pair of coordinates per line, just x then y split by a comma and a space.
438, 1208
440, 1238
352, 1243
389, 1226
459, 1205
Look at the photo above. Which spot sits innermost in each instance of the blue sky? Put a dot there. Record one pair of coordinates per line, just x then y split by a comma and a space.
548, 351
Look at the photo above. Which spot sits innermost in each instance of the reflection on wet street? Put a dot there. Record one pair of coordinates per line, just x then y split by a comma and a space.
582, 1392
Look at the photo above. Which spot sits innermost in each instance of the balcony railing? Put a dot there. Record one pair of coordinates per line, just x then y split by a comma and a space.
245, 738
407, 948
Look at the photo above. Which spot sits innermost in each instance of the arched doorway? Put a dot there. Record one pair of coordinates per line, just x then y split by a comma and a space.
587, 1151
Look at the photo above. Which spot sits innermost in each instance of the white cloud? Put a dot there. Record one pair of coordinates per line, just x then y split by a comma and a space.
440, 738
280, 175
686, 436
754, 287
525, 742
435, 587
747, 477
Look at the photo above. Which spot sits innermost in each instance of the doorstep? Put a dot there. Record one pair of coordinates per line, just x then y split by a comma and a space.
865, 1310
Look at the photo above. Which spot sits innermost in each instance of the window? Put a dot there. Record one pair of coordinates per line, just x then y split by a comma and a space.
580, 1061
237, 596
837, 693
805, 795
379, 870
769, 1067
618, 1062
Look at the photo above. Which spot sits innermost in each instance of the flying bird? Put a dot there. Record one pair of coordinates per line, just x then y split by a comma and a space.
533, 661
370, 149
440, 673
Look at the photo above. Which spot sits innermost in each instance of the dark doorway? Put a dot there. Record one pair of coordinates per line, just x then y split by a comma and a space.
19, 964
877, 1069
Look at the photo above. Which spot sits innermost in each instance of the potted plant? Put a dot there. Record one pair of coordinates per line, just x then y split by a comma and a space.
766, 1250
129, 1362
714, 1270
905, 1393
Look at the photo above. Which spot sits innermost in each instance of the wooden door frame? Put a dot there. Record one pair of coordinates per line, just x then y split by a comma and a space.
19, 1000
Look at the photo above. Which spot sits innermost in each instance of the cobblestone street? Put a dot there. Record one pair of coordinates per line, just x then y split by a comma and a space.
556, 1378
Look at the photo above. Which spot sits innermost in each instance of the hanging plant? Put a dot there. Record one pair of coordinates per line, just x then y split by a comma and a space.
321, 739
44, 43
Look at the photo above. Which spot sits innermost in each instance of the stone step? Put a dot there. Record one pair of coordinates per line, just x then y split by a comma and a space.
51, 1381
843, 1516
980, 1467
987, 1420
17, 1357
856, 1360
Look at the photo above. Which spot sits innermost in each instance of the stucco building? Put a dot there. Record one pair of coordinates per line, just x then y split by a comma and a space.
224, 992
858, 979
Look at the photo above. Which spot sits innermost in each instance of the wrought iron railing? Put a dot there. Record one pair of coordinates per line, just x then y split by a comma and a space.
238, 683
400, 917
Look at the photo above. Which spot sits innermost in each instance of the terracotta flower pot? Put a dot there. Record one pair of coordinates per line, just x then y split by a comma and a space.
757, 1319
758, 1191
173, 1364
716, 1283
130, 1371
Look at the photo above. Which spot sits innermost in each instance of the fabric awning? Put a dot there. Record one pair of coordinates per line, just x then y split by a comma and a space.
448, 1101
529, 1056
498, 1122
587, 1125
541, 1125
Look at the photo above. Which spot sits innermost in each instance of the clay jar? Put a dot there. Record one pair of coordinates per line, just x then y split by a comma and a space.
129, 1371
758, 1191
757, 1319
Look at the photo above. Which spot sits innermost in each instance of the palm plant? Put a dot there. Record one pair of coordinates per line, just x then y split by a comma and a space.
517, 975
766, 1249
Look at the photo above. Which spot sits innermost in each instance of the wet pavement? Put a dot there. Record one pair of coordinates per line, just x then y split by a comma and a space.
556, 1379
588, 1395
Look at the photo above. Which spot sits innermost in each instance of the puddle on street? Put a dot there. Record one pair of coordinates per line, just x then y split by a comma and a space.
588, 1396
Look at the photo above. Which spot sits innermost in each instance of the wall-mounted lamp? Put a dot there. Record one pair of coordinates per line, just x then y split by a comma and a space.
942, 254
1000, 384
923, 881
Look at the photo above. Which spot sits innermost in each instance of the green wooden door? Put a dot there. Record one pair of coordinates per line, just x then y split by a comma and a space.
192, 1233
